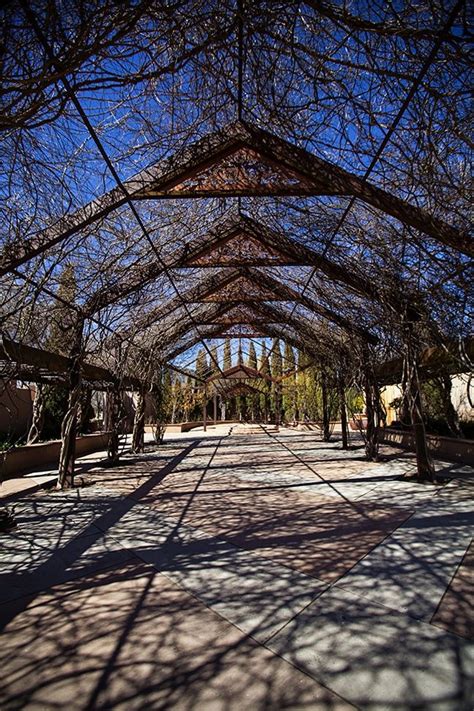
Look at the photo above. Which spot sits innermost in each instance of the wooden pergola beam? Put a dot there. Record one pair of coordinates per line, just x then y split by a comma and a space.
318, 177
45, 362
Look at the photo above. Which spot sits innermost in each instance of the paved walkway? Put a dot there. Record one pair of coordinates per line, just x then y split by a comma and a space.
250, 571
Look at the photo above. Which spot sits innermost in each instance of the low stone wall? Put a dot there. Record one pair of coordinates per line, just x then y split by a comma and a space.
449, 448
38, 456
187, 426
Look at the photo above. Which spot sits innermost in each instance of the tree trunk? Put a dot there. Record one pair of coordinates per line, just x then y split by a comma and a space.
114, 407
37, 421
138, 434
324, 397
372, 431
69, 425
424, 463
425, 467
372, 407
342, 403
84, 408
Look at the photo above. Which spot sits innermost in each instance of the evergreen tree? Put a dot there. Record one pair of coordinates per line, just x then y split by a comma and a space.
252, 359
276, 370
252, 363
227, 355
202, 367
266, 385
302, 386
240, 358
290, 385
214, 361
276, 361
188, 398
63, 318
60, 340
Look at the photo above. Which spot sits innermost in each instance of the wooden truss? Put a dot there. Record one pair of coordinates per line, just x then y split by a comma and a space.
239, 160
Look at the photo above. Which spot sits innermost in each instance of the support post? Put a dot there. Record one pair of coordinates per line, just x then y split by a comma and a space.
372, 431
215, 408
37, 420
69, 424
138, 435
372, 406
114, 407
324, 397
424, 463
342, 403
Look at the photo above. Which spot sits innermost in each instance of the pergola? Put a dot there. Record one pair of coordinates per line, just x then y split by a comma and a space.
245, 222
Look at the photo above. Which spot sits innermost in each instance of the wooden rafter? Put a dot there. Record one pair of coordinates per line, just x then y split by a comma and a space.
310, 175
37, 364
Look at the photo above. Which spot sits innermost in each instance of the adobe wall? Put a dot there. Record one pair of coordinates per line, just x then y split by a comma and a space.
16, 408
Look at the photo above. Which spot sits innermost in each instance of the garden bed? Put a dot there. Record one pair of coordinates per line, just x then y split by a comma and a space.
38, 456
449, 448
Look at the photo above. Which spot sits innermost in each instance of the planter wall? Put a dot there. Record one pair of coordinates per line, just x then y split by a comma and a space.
39, 456
449, 448
187, 426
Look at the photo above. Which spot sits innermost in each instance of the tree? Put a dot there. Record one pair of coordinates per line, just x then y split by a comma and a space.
53, 399
264, 369
289, 384
252, 357
202, 367
277, 370
227, 355
63, 318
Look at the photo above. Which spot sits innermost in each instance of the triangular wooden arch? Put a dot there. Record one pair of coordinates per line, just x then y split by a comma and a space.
239, 248
304, 173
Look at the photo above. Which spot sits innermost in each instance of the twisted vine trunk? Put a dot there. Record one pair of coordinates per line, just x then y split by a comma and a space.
67, 455
114, 407
84, 408
372, 406
138, 434
424, 463
342, 404
372, 431
37, 421
326, 419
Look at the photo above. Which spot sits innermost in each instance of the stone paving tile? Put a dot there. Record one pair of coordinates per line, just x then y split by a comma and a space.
377, 658
412, 568
406, 573
131, 639
290, 532
456, 609
255, 594
256, 534
31, 568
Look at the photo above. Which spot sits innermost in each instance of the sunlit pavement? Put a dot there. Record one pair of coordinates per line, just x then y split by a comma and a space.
240, 568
